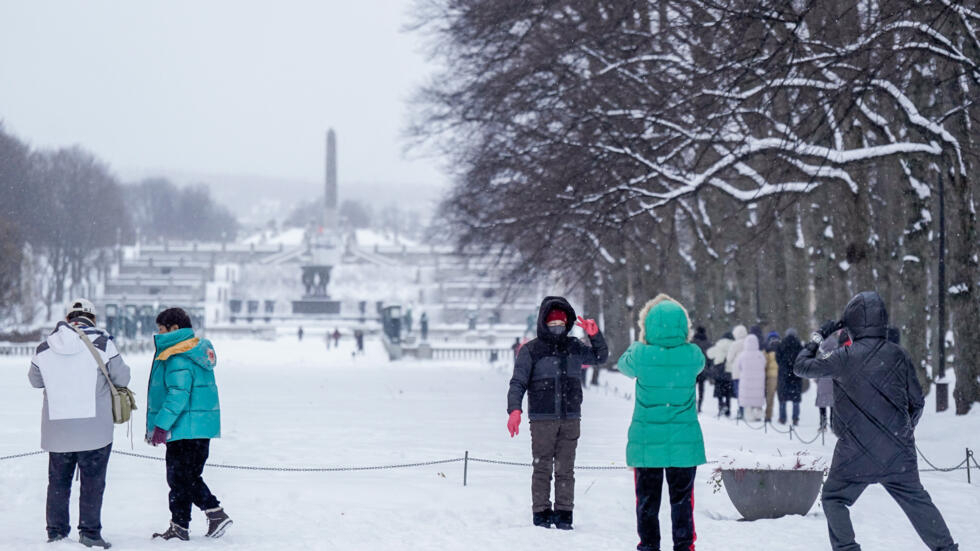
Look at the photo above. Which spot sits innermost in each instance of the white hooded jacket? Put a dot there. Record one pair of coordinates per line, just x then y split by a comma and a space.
731, 365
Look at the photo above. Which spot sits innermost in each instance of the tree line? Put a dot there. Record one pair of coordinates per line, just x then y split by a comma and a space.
762, 160
63, 210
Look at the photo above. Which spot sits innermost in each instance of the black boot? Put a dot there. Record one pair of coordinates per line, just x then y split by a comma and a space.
563, 520
218, 521
175, 532
94, 542
544, 518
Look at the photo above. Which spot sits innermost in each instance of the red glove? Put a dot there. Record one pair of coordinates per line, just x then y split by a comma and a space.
514, 422
159, 436
589, 325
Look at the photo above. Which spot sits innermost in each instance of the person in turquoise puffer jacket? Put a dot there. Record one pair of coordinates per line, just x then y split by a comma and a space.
665, 436
183, 413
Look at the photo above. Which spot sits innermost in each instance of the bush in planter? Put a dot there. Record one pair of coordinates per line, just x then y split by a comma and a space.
770, 486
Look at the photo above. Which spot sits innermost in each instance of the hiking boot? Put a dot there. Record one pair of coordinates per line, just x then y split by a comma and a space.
563, 520
544, 519
175, 531
218, 521
94, 542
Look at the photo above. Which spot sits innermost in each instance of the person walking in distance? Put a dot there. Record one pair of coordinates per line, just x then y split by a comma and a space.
751, 364
878, 403
731, 365
772, 372
183, 413
549, 370
76, 417
700, 339
665, 439
790, 387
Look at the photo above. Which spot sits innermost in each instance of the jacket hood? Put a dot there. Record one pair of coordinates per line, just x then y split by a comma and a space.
664, 322
183, 342
65, 341
549, 304
751, 343
739, 332
866, 316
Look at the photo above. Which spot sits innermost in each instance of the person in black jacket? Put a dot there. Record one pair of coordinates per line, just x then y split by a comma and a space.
878, 402
790, 387
701, 340
549, 370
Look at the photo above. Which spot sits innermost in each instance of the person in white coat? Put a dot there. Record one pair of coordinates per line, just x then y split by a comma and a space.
751, 364
76, 418
739, 333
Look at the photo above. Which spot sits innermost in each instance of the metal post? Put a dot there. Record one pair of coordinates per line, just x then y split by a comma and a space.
791, 433
969, 456
466, 465
823, 438
765, 426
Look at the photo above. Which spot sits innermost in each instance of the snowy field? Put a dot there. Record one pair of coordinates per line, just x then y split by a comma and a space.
297, 405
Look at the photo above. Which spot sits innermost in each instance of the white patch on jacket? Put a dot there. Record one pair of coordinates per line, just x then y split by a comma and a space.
70, 376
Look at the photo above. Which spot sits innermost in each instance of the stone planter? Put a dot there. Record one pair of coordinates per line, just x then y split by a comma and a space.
760, 493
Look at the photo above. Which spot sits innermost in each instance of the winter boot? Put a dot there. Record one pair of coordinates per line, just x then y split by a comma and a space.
563, 520
544, 519
175, 531
218, 521
94, 542
56, 537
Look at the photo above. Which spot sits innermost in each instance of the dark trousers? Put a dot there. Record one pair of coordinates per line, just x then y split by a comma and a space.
724, 406
61, 468
782, 411
680, 489
838, 495
700, 394
553, 445
185, 463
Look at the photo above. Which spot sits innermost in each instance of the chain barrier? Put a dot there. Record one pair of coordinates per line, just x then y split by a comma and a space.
19, 455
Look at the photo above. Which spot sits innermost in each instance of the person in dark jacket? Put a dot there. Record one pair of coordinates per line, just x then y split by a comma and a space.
878, 402
549, 370
701, 340
790, 387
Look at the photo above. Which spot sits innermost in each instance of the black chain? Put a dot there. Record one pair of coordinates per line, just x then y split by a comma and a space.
804, 442
19, 455
939, 469
776, 430
577, 467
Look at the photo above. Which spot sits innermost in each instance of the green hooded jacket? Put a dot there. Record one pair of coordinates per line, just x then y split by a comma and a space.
183, 396
665, 431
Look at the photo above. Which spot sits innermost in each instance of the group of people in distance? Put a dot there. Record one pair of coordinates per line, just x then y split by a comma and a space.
875, 393
182, 412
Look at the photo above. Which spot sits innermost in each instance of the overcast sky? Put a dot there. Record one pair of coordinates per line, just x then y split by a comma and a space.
217, 87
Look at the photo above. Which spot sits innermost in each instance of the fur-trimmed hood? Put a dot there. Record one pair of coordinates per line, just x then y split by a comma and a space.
664, 321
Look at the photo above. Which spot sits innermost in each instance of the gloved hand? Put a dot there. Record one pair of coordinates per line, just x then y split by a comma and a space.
159, 436
829, 327
590, 327
514, 422
812, 347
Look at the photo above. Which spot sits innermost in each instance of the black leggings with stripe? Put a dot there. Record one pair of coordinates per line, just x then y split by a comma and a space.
680, 487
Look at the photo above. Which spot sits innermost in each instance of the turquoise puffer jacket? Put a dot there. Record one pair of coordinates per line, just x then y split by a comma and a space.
183, 395
665, 431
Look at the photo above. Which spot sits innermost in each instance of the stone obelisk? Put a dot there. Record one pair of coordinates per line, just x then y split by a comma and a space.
330, 195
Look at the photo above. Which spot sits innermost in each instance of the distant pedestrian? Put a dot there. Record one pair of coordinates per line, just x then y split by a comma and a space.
665, 437
739, 333
724, 391
751, 364
549, 370
878, 403
359, 339
76, 417
790, 387
700, 339
516, 347
183, 413
299, 333
424, 326
772, 372
336, 338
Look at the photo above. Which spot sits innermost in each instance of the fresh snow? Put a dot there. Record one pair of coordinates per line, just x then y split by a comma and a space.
296, 404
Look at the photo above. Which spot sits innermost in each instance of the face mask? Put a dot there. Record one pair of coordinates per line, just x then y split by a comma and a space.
556, 329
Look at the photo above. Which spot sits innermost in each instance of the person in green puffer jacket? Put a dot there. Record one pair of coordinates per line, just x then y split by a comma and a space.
183, 413
665, 436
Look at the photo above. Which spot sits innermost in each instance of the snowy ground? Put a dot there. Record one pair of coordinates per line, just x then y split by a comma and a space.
289, 404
